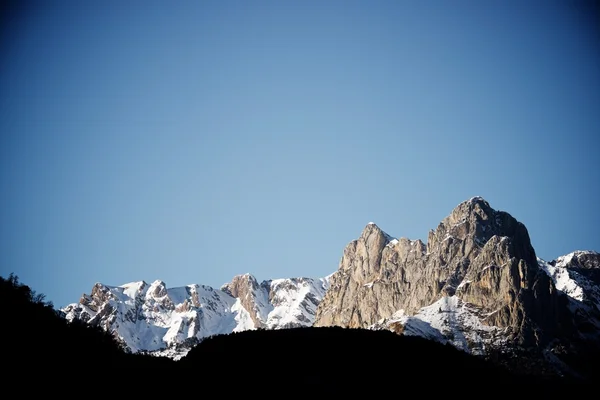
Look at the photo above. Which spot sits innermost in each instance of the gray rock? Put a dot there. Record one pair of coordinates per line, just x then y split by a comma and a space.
482, 256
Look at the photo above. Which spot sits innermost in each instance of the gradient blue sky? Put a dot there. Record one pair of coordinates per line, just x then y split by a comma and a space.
193, 141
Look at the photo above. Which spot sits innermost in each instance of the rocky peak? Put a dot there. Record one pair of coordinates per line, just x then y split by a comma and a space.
587, 259
247, 290
584, 262
157, 289
100, 295
474, 222
100, 292
371, 229
481, 255
240, 286
368, 250
584, 259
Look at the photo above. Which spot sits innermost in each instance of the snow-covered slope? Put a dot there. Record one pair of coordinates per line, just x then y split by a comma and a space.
575, 275
476, 284
567, 279
152, 318
448, 320
294, 302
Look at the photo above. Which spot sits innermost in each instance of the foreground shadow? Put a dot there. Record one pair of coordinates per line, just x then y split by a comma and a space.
61, 357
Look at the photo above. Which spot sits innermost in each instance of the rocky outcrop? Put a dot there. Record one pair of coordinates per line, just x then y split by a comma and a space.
479, 255
248, 291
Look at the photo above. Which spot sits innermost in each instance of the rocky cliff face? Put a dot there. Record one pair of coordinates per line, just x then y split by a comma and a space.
477, 257
153, 318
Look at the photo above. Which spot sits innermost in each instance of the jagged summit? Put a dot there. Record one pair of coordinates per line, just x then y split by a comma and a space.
247, 278
472, 220
371, 226
477, 199
482, 256
372, 229
169, 321
475, 206
475, 222
584, 263
581, 258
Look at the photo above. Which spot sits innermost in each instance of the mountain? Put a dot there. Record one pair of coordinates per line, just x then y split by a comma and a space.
152, 318
477, 284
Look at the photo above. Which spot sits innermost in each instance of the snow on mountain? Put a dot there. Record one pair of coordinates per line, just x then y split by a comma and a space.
294, 301
568, 282
570, 278
162, 321
475, 284
573, 274
448, 320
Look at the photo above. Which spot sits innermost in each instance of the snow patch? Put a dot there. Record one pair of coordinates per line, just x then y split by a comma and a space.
393, 242
448, 320
132, 289
565, 260
486, 268
295, 301
463, 283
562, 277
475, 199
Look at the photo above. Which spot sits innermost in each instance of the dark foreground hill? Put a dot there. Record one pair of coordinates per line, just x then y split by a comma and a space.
57, 356
37, 341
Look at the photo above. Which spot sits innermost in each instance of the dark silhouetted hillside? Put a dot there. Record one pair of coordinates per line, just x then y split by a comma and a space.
34, 334
55, 355
343, 361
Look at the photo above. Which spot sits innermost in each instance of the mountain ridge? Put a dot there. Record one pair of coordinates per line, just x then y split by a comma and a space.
169, 321
476, 284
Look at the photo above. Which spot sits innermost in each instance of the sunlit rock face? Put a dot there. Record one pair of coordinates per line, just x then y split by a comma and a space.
478, 259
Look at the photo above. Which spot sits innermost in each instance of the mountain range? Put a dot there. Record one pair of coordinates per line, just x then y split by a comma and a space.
476, 284
152, 318
61, 356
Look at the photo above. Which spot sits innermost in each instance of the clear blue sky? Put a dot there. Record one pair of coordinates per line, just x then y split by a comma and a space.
193, 141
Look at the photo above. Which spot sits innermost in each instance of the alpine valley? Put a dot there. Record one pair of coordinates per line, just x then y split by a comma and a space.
476, 285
